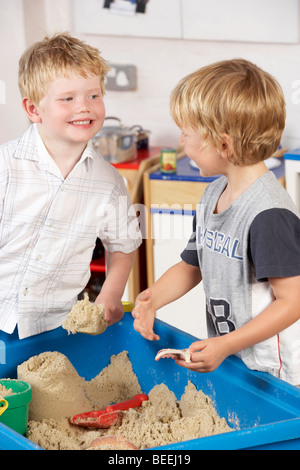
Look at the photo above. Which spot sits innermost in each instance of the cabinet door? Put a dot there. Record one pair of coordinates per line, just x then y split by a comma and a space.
241, 20
171, 233
162, 19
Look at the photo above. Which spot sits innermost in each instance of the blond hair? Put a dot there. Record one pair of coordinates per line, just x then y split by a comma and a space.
237, 98
59, 55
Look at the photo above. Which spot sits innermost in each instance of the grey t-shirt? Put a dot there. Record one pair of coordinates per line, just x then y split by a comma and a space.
256, 238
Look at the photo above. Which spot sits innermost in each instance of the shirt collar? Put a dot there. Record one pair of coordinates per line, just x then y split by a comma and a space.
27, 149
32, 147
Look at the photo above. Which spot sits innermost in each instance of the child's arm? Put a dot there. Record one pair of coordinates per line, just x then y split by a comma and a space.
208, 354
118, 269
173, 284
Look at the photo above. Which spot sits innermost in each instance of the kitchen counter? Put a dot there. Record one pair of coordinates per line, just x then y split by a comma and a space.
187, 172
183, 190
142, 155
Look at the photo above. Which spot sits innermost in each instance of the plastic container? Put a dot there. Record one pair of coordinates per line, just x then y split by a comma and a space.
16, 414
264, 410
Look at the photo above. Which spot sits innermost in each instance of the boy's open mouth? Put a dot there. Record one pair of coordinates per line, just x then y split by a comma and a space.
81, 123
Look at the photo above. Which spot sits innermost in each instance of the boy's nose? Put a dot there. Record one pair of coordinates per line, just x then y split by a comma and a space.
82, 106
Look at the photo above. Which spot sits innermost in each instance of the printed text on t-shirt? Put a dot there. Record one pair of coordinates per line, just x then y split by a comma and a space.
218, 242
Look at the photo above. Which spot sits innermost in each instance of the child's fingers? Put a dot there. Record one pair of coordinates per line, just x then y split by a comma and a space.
147, 333
197, 346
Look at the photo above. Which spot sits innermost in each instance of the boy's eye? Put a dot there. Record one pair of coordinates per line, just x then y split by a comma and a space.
94, 97
68, 98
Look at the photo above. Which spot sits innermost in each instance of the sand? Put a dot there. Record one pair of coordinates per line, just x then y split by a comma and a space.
59, 393
162, 420
86, 317
4, 392
57, 389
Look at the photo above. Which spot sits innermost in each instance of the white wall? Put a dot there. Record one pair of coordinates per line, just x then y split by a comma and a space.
160, 64
12, 40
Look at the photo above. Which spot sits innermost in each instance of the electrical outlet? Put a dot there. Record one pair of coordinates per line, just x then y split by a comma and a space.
121, 78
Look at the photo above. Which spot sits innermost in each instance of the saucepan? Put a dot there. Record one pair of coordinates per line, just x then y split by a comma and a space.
116, 143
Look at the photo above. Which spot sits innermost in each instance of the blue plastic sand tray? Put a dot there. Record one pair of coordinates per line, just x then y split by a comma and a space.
266, 409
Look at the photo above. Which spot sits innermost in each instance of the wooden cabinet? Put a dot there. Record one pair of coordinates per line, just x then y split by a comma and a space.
171, 202
162, 19
176, 194
133, 174
266, 21
241, 20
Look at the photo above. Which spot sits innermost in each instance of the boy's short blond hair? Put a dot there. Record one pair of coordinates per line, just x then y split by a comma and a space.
59, 55
237, 98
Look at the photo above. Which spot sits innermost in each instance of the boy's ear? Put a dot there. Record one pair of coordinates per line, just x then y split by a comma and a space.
31, 110
227, 148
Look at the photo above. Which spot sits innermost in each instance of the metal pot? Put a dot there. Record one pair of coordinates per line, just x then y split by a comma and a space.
116, 144
142, 141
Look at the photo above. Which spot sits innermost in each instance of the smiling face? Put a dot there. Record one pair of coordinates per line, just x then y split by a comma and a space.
72, 111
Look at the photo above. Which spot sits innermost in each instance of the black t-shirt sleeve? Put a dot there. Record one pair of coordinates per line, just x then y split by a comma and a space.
275, 244
189, 254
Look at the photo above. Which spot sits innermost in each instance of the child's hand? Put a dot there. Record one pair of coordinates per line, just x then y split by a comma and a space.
144, 315
206, 355
114, 309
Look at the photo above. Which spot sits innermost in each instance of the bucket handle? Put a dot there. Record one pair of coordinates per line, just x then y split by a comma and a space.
3, 406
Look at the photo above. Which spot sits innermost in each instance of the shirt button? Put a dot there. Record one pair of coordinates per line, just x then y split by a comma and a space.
25, 292
39, 257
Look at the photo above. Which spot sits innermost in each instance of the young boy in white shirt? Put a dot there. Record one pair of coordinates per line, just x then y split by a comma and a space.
245, 245
57, 196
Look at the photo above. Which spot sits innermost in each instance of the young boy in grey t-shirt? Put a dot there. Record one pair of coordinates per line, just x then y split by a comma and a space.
245, 244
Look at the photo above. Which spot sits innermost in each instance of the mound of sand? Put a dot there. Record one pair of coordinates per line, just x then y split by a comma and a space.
59, 393
86, 317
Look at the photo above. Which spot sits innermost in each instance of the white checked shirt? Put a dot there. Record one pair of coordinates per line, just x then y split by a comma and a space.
48, 230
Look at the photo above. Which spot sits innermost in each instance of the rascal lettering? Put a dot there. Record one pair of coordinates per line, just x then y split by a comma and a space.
219, 243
